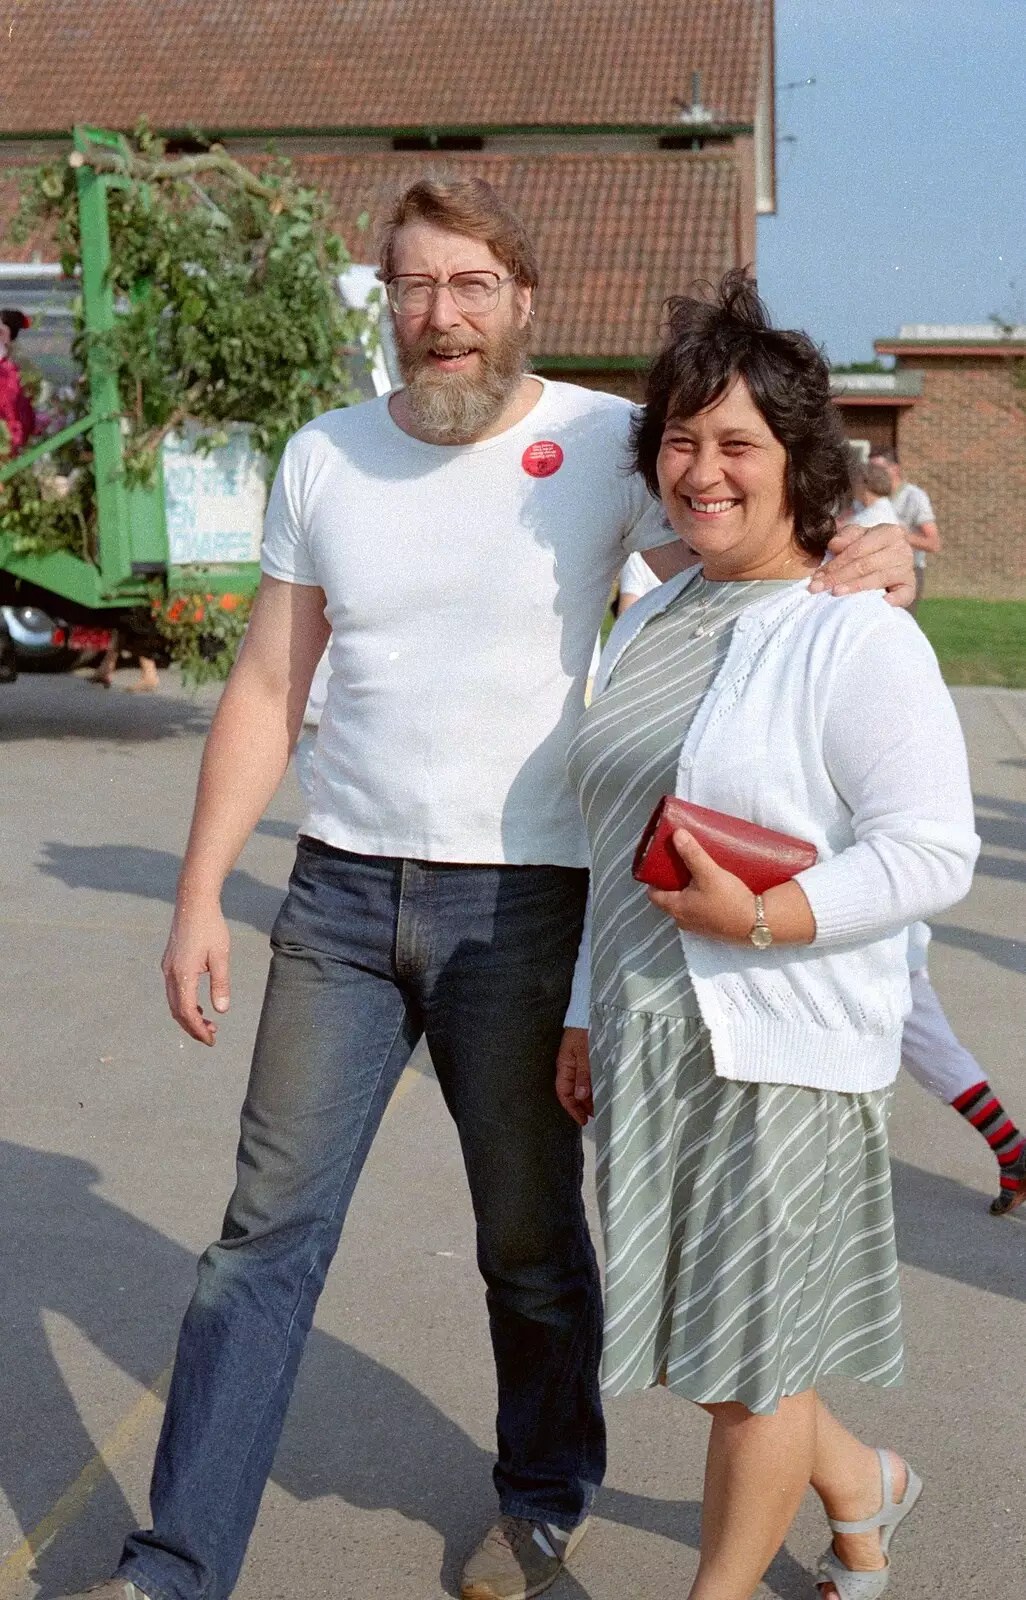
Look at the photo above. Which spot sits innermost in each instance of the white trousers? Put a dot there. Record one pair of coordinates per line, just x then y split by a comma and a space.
929, 1048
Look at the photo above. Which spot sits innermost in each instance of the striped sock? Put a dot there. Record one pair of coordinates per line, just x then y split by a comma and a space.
981, 1106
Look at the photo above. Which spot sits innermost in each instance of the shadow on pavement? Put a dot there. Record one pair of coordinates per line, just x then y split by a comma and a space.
1010, 953
945, 1228
153, 875
1005, 831
356, 1430
37, 708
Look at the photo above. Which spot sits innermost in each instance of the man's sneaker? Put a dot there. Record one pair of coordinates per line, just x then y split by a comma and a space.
518, 1558
110, 1589
1013, 1186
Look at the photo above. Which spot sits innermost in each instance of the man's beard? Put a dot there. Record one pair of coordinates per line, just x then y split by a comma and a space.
457, 407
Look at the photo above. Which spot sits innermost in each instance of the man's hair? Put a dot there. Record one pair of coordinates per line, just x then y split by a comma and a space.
885, 455
725, 335
875, 477
468, 206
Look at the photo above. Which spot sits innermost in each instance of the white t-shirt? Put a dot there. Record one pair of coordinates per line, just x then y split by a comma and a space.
913, 507
637, 576
880, 511
465, 585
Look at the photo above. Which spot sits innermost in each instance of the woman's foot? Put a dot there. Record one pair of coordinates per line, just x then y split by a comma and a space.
862, 1552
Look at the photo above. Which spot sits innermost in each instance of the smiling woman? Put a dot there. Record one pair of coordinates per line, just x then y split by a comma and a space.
744, 1045
752, 403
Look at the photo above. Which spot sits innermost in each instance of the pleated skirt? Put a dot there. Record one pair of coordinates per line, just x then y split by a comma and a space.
748, 1227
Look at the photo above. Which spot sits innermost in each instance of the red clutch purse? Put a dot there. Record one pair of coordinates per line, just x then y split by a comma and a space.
761, 858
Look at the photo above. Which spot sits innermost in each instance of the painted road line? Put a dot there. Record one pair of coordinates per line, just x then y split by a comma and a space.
16, 1566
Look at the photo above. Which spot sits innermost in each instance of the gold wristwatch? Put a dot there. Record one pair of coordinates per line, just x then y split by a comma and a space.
761, 934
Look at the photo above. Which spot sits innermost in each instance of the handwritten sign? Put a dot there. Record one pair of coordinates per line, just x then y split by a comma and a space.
214, 499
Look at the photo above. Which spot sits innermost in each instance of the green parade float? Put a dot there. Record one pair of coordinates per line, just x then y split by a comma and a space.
209, 320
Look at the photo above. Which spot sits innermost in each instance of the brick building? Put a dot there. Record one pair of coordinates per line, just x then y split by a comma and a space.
955, 409
634, 136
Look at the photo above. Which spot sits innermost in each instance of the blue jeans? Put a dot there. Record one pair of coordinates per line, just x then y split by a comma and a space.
369, 953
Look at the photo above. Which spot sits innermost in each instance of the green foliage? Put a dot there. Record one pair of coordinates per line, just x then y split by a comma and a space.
204, 631
224, 281
51, 505
229, 309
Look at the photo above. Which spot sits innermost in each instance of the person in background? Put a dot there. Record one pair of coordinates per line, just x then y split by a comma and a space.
16, 412
929, 1049
915, 513
127, 644
872, 484
943, 1066
636, 579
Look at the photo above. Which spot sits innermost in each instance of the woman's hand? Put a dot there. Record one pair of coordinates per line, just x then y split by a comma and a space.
719, 906
715, 903
573, 1076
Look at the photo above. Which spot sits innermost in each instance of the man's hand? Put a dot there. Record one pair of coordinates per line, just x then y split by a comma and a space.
869, 558
199, 943
573, 1076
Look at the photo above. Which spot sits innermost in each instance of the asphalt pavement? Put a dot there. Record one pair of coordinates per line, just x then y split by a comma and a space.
117, 1140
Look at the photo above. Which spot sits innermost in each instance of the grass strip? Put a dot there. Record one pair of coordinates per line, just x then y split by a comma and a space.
978, 641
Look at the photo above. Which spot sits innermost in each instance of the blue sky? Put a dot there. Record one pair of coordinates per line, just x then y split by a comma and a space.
903, 195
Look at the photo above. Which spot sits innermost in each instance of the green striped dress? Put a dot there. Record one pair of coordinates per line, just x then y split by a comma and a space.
748, 1228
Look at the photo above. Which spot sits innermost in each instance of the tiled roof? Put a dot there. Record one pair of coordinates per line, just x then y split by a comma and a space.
263, 64
615, 234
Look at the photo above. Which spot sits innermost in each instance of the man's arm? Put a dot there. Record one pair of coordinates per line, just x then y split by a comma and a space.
863, 558
247, 752
924, 536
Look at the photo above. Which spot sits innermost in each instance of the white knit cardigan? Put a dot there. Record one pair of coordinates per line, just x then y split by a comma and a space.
829, 720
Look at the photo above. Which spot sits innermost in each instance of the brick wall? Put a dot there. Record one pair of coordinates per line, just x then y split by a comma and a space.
964, 442
877, 424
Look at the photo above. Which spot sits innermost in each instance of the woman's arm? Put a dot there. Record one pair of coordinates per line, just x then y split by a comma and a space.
894, 749
895, 753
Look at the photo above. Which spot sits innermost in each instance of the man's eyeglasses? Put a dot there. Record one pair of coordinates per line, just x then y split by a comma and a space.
411, 295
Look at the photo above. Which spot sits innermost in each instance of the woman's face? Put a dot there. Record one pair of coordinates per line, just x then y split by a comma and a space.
722, 482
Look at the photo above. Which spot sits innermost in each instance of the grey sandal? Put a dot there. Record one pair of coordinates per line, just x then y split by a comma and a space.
851, 1585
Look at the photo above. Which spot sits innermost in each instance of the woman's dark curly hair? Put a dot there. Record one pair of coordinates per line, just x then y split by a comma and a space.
710, 343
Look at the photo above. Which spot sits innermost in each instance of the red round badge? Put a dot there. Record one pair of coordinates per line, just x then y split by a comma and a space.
541, 460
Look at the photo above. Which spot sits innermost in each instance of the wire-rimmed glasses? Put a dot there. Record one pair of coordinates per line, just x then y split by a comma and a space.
411, 294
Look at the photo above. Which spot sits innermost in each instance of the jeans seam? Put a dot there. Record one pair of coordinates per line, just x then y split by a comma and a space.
298, 1301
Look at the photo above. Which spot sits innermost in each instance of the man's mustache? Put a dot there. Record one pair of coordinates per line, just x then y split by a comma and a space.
442, 345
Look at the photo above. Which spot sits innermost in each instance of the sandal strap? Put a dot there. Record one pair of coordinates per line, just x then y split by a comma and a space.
851, 1585
887, 1509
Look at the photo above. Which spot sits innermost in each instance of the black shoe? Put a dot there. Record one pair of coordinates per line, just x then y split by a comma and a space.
1013, 1186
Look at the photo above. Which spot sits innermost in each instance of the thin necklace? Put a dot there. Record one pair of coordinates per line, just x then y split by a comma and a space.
704, 625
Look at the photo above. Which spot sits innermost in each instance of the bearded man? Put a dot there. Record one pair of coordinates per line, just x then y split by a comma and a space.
456, 541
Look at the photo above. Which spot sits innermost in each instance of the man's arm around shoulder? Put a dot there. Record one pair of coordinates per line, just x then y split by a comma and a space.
247, 752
